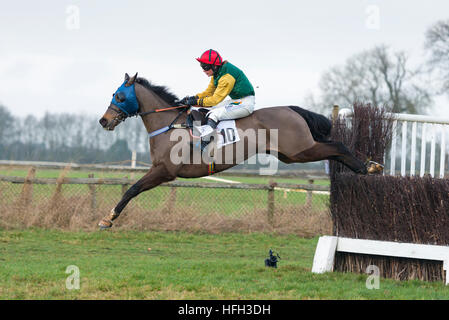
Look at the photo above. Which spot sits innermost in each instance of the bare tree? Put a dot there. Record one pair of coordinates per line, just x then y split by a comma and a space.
379, 77
437, 44
6, 125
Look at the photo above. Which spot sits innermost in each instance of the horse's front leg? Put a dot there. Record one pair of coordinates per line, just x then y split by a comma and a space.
156, 176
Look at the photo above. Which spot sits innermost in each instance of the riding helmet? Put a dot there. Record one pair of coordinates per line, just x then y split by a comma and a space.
211, 57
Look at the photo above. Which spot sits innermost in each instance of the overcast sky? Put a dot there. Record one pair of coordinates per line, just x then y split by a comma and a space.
70, 56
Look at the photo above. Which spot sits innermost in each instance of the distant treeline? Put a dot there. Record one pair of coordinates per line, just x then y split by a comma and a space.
81, 139
69, 138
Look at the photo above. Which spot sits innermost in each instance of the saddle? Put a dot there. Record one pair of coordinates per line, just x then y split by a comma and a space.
198, 116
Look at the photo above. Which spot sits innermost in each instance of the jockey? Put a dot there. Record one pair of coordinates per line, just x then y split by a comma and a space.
226, 79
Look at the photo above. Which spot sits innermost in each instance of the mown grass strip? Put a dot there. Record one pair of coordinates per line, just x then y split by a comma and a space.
119, 265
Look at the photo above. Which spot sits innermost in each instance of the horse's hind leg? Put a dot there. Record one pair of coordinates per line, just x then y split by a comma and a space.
330, 150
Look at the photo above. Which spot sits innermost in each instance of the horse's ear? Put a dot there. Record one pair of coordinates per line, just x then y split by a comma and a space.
131, 81
126, 77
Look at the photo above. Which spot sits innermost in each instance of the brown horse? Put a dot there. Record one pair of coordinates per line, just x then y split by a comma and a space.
293, 134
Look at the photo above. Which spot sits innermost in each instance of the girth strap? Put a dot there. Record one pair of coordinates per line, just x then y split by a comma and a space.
172, 125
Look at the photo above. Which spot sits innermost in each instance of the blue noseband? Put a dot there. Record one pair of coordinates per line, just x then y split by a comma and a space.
127, 95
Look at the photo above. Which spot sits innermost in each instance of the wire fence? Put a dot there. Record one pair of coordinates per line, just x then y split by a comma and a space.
79, 203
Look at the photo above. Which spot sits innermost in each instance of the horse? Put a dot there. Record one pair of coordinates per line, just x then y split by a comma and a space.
302, 136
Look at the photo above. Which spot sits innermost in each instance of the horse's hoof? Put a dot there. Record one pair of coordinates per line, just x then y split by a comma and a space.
105, 224
375, 168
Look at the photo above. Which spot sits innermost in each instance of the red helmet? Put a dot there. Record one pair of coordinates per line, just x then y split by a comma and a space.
211, 57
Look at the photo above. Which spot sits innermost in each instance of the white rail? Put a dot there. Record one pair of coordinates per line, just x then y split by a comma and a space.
432, 130
323, 260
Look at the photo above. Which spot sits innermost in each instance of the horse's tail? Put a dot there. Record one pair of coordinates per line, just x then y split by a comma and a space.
319, 125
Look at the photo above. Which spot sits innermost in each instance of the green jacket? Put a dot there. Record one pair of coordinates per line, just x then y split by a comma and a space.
229, 80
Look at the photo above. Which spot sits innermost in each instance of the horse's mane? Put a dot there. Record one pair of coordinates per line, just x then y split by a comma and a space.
161, 91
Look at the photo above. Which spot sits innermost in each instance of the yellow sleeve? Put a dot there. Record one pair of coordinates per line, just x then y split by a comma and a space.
209, 91
225, 86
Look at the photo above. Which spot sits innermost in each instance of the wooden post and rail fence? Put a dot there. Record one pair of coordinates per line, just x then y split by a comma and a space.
92, 183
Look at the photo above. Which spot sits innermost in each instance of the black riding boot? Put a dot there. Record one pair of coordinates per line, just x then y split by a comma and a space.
207, 139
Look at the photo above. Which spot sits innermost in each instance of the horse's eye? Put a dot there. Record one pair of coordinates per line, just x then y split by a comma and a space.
120, 97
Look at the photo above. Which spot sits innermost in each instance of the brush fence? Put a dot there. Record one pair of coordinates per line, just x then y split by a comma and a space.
411, 135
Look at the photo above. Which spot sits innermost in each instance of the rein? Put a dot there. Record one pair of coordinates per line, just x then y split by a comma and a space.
159, 110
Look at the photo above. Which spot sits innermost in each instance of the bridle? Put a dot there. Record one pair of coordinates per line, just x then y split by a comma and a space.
125, 104
122, 116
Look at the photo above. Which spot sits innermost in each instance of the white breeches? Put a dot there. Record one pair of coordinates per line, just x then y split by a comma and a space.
232, 109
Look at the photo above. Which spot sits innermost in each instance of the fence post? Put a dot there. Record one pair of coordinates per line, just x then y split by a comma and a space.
56, 198
125, 186
335, 110
270, 204
93, 194
133, 162
309, 195
171, 201
27, 189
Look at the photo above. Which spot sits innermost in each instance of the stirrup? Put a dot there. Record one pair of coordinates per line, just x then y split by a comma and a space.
205, 143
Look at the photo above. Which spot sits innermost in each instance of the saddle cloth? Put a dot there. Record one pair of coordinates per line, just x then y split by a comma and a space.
226, 129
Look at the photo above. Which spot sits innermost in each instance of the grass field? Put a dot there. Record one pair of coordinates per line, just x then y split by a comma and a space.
118, 265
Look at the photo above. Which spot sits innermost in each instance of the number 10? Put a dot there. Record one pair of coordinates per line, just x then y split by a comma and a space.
228, 135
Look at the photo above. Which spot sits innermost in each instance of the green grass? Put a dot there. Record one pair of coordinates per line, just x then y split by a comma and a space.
118, 265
